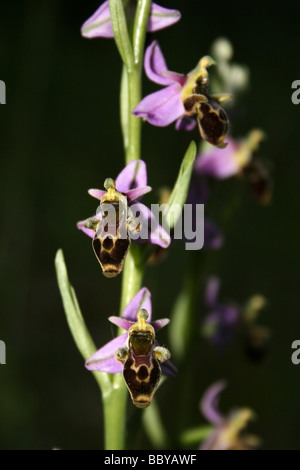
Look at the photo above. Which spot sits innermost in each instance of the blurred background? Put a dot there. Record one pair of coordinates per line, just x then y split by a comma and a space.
60, 135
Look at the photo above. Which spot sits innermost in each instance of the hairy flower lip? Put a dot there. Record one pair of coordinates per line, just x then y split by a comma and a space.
99, 24
104, 359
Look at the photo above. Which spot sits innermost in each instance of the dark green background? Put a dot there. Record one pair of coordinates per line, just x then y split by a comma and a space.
59, 136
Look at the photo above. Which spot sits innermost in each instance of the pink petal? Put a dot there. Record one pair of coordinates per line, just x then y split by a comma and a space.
141, 300
162, 107
97, 193
161, 18
158, 324
209, 403
155, 64
121, 322
151, 231
218, 163
125, 324
133, 176
134, 194
99, 24
104, 359
168, 369
174, 77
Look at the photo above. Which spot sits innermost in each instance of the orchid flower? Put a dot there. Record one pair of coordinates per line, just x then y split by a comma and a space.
223, 319
237, 160
99, 24
183, 97
104, 359
227, 433
132, 183
223, 164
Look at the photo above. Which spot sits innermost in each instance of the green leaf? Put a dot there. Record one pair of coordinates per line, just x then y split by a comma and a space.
180, 190
178, 325
184, 314
154, 427
195, 435
75, 320
119, 26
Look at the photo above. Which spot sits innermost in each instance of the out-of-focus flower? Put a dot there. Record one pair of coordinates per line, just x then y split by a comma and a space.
232, 161
132, 183
182, 97
99, 24
233, 77
228, 433
226, 319
260, 181
104, 359
237, 159
222, 321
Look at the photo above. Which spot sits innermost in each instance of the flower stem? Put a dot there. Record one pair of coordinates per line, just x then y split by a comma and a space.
114, 405
130, 96
132, 276
115, 408
133, 150
134, 75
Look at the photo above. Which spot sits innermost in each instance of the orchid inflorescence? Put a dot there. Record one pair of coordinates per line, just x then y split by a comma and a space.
134, 357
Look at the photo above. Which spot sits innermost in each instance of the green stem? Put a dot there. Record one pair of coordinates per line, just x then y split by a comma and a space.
115, 408
130, 96
114, 405
133, 150
132, 276
124, 107
134, 76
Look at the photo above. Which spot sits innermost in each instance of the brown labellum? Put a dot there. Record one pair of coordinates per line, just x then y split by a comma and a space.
141, 361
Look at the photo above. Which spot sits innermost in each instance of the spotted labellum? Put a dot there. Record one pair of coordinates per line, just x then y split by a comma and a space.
115, 225
136, 353
141, 360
